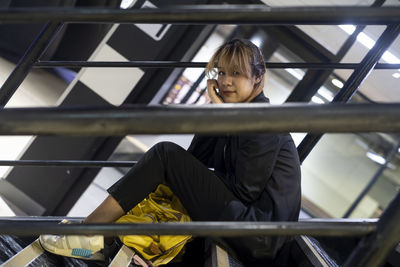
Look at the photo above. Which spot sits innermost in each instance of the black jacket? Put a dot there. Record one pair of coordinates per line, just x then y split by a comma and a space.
263, 172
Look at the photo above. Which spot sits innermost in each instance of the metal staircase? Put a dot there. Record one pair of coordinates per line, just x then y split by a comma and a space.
377, 238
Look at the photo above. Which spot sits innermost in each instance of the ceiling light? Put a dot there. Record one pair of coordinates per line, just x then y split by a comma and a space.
317, 100
298, 74
390, 58
396, 75
348, 28
361, 37
337, 83
325, 93
375, 157
365, 40
125, 4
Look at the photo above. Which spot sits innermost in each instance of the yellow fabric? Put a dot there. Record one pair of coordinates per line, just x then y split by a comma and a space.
160, 206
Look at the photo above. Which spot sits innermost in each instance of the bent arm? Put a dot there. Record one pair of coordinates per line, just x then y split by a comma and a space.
256, 158
202, 148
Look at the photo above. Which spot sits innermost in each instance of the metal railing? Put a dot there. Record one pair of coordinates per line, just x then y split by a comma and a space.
190, 119
379, 237
225, 229
176, 64
209, 14
69, 163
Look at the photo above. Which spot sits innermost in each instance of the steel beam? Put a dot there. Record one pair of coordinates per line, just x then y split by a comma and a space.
176, 64
32, 228
354, 81
31, 55
313, 80
211, 14
208, 119
373, 249
367, 64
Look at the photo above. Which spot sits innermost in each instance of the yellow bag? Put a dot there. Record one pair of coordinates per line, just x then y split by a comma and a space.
160, 206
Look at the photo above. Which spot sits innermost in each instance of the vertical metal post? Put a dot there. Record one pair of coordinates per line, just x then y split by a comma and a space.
354, 81
193, 88
353, 37
314, 79
374, 179
200, 95
31, 55
373, 249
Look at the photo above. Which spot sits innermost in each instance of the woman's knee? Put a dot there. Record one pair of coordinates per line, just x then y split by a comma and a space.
168, 148
170, 156
168, 151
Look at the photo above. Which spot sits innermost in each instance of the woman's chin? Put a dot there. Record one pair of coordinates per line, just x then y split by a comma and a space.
229, 99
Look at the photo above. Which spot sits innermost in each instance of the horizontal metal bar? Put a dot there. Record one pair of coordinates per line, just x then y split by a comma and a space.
55, 219
211, 14
177, 64
121, 64
60, 218
67, 163
223, 118
31, 228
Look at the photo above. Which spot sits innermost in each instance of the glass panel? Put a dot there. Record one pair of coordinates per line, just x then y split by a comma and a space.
335, 172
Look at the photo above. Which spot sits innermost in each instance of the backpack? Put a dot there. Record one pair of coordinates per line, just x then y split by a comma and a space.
160, 206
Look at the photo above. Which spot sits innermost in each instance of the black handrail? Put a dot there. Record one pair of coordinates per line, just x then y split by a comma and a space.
337, 228
209, 14
68, 163
181, 64
201, 119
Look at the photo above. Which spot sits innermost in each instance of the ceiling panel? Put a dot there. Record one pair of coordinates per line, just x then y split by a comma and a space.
380, 85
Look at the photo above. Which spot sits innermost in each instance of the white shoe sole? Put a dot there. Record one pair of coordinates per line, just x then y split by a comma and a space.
79, 253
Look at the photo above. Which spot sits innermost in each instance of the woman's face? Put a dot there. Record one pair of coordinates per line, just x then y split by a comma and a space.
235, 87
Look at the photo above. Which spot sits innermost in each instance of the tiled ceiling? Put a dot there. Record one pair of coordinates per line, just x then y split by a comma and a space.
380, 85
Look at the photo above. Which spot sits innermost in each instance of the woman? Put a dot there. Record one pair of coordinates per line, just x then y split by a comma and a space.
256, 177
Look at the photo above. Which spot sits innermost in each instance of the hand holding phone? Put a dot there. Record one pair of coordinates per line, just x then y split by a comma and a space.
212, 90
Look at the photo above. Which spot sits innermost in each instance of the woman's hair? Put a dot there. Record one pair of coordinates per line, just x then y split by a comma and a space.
240, 55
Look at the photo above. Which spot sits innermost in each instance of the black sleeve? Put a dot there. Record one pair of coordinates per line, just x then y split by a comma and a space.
256, 158
202, 148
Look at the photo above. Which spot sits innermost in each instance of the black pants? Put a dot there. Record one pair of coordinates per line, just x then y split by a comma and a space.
201, 192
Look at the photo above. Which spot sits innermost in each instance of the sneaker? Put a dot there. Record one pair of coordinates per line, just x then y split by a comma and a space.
75, 246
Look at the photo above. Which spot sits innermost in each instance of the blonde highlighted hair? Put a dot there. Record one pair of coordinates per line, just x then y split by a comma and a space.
239, 55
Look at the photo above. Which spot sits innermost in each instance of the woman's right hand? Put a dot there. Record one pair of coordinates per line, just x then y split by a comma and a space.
212, 86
